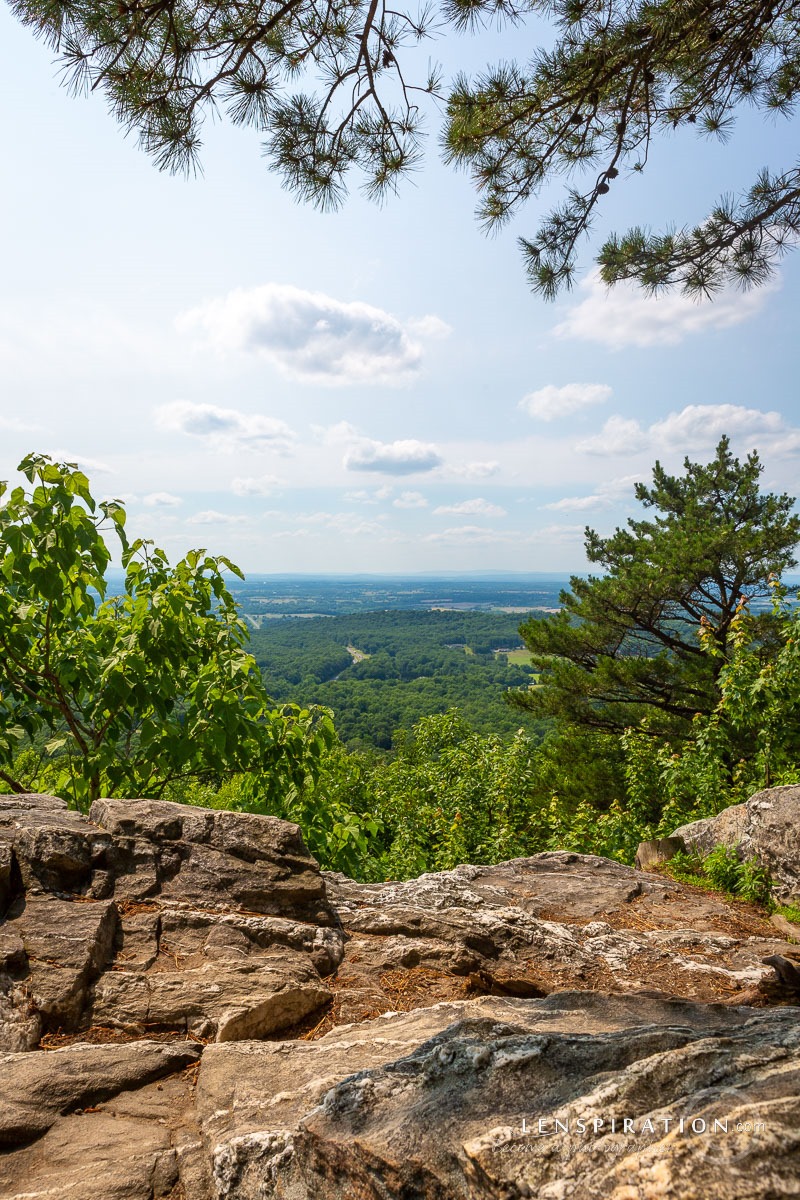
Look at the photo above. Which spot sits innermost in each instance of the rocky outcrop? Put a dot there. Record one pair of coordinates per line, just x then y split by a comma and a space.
766, 828
38, 1088
197, 854
153, 916
533, 926
190, 1010
530, 1100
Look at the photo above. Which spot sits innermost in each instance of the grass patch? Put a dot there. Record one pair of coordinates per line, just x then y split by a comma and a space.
521, 657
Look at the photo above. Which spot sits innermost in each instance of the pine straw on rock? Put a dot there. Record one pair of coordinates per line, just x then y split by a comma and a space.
108, 1035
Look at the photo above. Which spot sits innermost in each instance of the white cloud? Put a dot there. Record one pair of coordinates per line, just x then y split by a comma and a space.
346, 523
410, 500
606, 495
211, 517
225, 428
121, 497
549, 403
619, 435
16, 426
695, 426
405, 457
704, 424
429, 326
470, 508
462, 535
475, 470
258, 485
578, 503
621, 486
336, 435
365, 496
312, 337
88, 465
625, 315
161, 500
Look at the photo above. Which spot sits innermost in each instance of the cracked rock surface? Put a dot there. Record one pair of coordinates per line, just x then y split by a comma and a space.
537, 925
153, 917
190, 1010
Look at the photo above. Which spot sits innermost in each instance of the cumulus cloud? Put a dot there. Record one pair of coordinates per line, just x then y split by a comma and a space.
336, 435
373, 496
470, 508
578, 503
549, 403
429, 326
348, 524
706, 423
475, 470
619, 435
461, 535
405, 457
604, 497
311, 523
211, 517
313, 337
625, 315
254, 485
161, 500
410, 500
696, 425
120, 497
93, 466
621, 486
225, 428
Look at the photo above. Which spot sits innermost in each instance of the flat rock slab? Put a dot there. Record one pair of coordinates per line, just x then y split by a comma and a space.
440, 1102
222, 1000
137, 1145
532, 926
482, 1082
37, 1088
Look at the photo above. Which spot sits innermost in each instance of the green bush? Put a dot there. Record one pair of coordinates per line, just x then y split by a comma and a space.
724, 871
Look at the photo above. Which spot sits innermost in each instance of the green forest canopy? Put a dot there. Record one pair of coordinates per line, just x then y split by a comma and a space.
151, 691
414, 663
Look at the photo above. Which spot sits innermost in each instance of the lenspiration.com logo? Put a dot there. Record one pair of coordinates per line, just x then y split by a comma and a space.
638, 1126
730, 1128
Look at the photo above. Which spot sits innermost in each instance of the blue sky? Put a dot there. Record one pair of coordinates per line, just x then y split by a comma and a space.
369, 390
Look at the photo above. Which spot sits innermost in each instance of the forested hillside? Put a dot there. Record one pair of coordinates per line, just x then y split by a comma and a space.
664, 689
383, 671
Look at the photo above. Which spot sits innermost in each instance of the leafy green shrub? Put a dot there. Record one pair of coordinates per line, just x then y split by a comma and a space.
449, 795
789, 912
126, 694
723, 870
